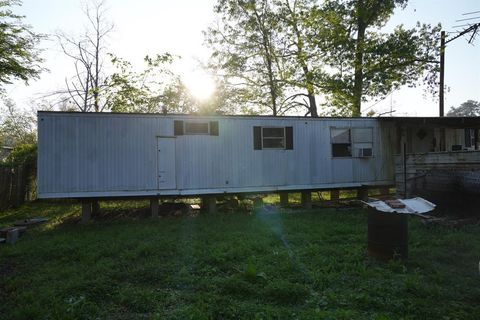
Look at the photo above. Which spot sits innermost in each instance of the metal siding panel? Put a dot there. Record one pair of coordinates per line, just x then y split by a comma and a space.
342, 170
322, 172
303, 168
105, 154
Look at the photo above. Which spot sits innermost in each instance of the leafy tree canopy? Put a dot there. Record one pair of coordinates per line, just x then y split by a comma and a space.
19, 56
469, 108
156, 89
279, 54
16, 126
246, 41
364, 62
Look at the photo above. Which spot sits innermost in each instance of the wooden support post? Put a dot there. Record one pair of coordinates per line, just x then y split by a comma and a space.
362, 193
86, 210
95, 208
307, 199
283, 199
334, 195
209, 204
154, 207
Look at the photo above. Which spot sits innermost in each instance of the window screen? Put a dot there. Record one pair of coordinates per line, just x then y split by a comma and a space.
348, 142
273, 138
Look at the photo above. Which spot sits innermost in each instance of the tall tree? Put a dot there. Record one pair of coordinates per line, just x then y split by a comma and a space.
246, 49
88, 52
469, 108
296, 18
365, 62
19, 55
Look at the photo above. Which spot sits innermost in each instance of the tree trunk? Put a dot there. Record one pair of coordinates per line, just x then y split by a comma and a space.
359, 47
271, 78
313, 105
271, 83
312, 102
268, 61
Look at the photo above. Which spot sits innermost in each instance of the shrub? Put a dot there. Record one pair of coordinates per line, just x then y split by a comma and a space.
23, 154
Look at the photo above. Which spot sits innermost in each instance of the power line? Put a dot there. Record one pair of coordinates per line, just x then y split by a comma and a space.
467, 19
473, 12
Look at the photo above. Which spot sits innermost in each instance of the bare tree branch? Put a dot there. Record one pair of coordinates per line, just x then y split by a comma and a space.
85, 88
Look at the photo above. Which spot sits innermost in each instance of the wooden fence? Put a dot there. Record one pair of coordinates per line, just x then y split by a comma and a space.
16, 186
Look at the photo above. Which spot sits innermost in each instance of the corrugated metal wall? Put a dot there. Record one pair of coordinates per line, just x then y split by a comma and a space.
116, 155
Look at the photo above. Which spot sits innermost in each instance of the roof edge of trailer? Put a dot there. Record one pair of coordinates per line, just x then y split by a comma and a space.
167, 115
428, 118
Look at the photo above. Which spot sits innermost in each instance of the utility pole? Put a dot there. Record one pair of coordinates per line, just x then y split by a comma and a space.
443, 42
442, 74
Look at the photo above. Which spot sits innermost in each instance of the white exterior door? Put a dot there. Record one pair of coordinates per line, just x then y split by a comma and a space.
166, 163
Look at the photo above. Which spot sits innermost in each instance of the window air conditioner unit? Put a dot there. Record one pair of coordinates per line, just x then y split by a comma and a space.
365, 152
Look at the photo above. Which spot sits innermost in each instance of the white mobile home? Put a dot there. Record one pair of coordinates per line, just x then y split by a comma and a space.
97, 155
108, 155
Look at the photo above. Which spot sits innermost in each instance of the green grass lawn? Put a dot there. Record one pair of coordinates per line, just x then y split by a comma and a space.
289, 265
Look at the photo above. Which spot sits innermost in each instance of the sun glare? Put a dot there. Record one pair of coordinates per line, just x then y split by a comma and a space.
200, 84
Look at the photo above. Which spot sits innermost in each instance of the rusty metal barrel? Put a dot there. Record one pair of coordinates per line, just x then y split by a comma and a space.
387, 235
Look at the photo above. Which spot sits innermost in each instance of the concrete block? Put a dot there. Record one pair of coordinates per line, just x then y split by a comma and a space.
86, 211
5, 231
95, 208
362, 194
284, 199
12, 236
154, 207
209, 204
307, 199
334, 195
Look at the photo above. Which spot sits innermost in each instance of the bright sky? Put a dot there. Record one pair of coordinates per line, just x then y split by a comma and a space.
156, 26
